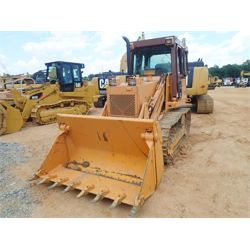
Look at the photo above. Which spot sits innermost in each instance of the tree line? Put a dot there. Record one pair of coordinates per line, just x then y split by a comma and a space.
229, 70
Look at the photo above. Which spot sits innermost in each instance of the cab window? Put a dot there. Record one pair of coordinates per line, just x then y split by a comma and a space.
76, 73
157, 59
66, 74
52, 74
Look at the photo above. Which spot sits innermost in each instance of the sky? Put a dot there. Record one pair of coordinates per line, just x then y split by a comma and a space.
22, 52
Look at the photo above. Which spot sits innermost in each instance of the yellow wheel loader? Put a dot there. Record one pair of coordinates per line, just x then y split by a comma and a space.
120, 155
66, 93
197, 87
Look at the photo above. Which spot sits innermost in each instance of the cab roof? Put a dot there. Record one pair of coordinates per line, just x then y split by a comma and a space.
166, 40
65, 62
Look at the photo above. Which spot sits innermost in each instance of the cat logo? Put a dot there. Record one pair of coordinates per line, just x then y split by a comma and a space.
103, 83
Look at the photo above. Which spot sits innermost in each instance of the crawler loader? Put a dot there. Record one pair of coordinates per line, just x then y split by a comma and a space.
64, 93
120, 155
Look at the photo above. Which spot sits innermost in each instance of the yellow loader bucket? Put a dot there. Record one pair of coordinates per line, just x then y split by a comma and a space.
117, 158
10, 119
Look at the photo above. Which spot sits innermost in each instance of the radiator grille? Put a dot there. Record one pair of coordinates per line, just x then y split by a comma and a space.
122, 105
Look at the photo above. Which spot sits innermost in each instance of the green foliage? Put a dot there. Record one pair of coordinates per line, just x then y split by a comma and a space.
229, 70
87, 78
246, 65
216, 71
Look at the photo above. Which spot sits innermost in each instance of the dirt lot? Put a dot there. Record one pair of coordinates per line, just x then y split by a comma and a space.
211, 178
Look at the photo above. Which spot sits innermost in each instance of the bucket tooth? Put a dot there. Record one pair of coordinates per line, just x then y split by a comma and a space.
100, 196
134, 210
33, 178
82, 193
139, 201
53, 185
71, 186
68, 188
42, 181
114, 204
118, 201
97, 198
85, 191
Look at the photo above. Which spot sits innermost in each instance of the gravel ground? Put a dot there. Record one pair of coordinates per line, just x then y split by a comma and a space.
14, 190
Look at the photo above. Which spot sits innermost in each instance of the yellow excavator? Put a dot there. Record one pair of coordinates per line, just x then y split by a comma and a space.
64, 93
120, 155
197, 88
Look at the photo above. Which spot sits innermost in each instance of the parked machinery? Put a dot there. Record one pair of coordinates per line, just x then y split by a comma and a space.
214, 81
197, 88
244, 79
40, 76
65, 93
101, 81
120, 155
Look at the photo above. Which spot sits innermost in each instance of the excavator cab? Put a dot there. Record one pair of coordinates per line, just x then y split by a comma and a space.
67, 74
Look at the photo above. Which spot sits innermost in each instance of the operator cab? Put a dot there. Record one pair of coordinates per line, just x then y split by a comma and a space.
67, 74
165, 55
